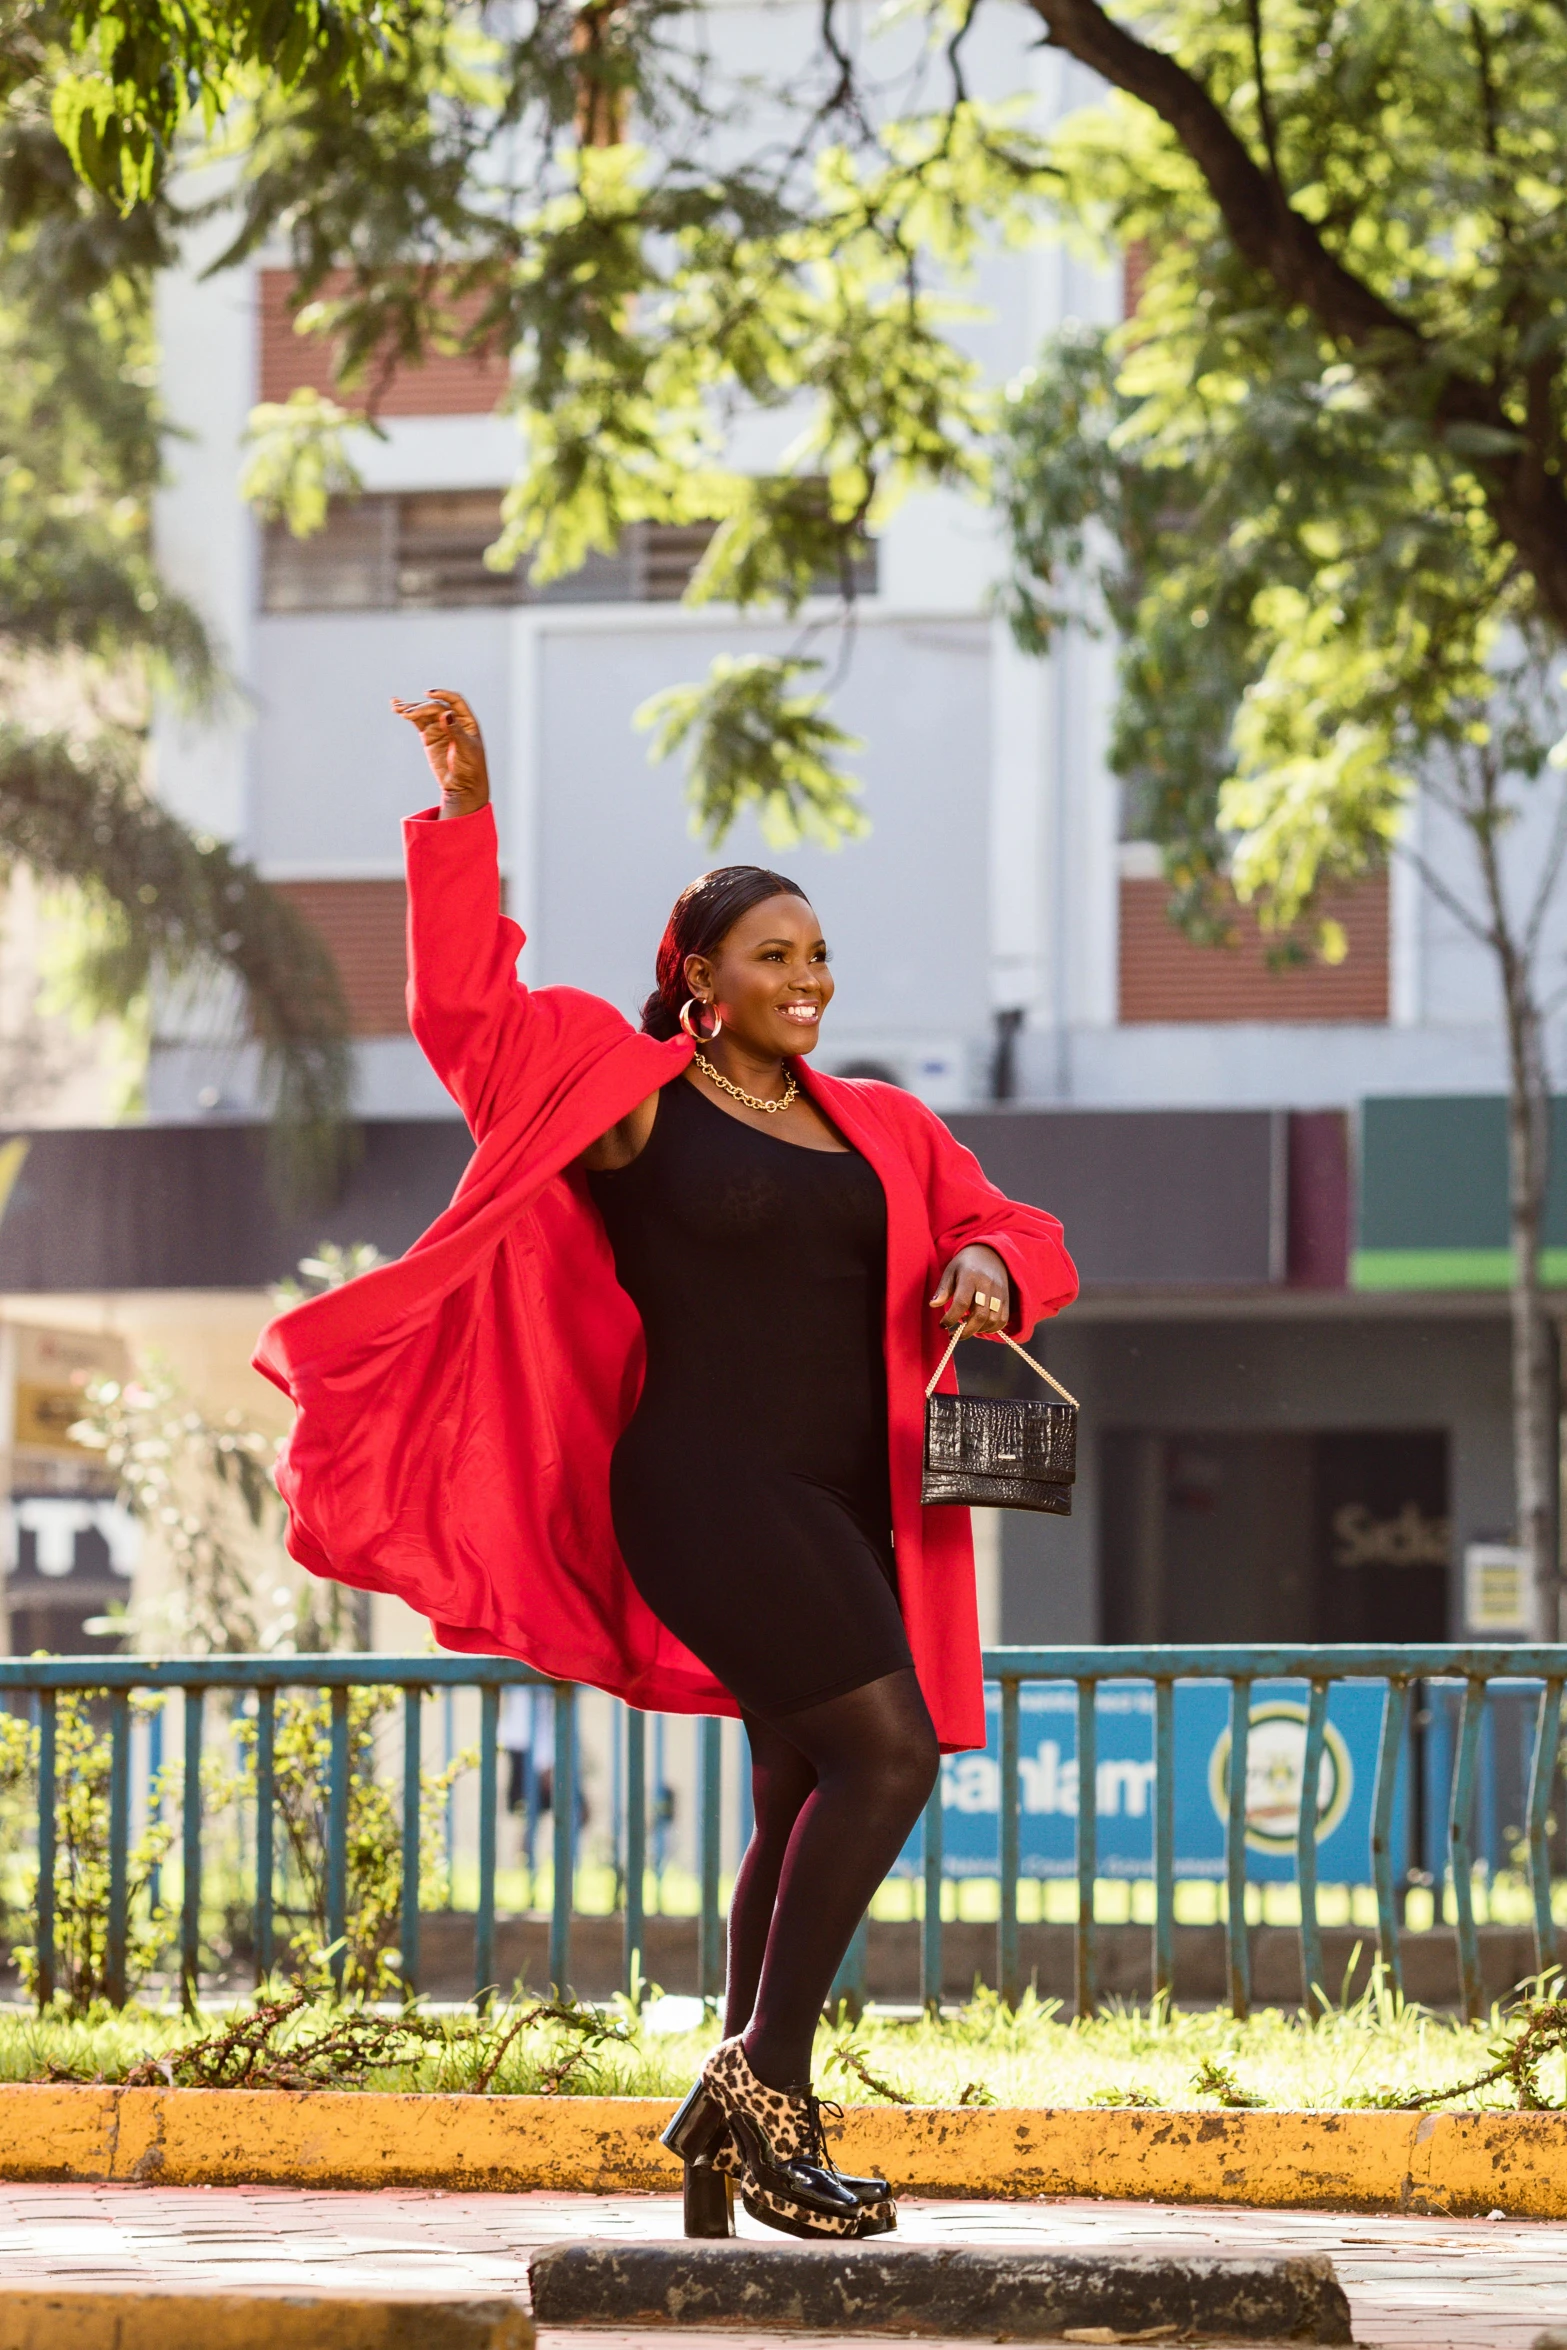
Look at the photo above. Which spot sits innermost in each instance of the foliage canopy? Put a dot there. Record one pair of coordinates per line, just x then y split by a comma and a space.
88, 629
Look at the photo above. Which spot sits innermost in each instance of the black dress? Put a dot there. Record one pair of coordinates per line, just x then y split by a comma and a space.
749, 1489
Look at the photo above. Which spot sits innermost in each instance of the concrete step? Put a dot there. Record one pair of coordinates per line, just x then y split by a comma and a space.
129, 2317
959, 2293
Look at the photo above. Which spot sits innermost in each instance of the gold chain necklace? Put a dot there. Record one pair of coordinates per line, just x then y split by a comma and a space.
752, 1101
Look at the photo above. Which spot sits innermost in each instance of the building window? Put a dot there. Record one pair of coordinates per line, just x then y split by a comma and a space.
425, 550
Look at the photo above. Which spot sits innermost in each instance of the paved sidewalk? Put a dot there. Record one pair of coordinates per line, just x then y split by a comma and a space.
1414, 2284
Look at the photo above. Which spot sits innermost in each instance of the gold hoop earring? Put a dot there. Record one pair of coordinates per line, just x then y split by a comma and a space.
697, 1035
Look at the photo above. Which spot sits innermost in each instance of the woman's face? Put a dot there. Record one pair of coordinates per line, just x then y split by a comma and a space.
769, 978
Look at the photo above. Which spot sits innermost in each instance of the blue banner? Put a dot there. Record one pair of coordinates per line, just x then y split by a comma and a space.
1047, 1783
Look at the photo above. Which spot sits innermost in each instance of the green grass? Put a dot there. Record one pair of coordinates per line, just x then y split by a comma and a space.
1376, 2051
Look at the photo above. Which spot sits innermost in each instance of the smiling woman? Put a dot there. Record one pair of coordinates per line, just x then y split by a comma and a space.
645, 1408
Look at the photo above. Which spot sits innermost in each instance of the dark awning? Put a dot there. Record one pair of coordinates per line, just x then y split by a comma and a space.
190, 1207
1148, 1197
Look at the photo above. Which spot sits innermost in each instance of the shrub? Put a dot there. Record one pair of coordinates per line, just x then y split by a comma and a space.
301, 1763
81, 1862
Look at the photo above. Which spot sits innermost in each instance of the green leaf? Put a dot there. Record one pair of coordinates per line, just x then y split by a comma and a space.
755, 741
298, 459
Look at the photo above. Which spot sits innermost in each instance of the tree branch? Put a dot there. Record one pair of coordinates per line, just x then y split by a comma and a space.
1443, 895
1526, 500
1550, 874
1264, 102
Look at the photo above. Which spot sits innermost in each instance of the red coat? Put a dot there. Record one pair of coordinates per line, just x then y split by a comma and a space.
457, 1409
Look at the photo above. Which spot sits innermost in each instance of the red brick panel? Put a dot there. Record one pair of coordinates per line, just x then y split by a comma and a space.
1164, 976
363, 924
458, 384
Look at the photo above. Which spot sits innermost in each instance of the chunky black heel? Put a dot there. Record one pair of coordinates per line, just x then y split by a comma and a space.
697, 2127
709, 2201
696, 2133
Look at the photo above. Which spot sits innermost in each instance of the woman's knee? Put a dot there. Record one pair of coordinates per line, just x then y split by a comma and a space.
897, 1771
913, 1763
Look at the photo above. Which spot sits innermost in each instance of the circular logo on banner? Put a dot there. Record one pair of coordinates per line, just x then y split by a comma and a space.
1275, 1760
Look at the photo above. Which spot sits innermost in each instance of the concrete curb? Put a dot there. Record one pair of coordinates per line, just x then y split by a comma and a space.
1447, 2164
986, 2295
127, 2319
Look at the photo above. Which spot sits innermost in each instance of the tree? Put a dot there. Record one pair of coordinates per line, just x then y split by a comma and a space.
1325, 453
88, 632
1353, 210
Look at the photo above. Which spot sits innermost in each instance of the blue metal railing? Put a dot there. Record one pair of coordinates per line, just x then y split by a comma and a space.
1469, 1675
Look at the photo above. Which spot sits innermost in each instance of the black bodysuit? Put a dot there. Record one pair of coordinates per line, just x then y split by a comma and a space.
749, 1489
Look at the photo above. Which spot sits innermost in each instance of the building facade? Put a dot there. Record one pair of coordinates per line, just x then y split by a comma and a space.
1295, 1398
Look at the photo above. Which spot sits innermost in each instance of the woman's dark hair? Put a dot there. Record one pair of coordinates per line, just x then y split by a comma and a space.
703, 915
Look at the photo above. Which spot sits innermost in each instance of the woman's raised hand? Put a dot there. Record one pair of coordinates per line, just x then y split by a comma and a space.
975, 1290
454, 747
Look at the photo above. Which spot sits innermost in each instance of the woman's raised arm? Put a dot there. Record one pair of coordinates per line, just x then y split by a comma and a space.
466, 1005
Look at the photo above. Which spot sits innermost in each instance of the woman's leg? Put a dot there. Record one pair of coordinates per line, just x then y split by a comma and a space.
781, 1780
874, 1756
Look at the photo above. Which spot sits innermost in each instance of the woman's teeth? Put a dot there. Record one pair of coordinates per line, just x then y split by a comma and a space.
806, 1014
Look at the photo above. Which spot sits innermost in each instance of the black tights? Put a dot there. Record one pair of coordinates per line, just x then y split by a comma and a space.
837, 1788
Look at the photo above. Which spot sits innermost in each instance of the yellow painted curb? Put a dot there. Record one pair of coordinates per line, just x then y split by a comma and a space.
1445, 2162
125, 2318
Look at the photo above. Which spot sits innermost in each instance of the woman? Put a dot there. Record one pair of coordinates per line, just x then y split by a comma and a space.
645, 1407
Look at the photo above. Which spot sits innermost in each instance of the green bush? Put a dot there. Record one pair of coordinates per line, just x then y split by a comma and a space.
81, 1858
301, 1766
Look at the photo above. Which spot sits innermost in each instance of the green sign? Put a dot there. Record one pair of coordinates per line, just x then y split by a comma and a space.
1433, 1195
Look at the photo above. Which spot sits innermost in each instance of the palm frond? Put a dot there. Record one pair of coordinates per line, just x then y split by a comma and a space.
169, 904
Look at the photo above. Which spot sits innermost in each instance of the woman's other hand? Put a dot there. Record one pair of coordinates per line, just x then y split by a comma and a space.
454, 747
975, 1289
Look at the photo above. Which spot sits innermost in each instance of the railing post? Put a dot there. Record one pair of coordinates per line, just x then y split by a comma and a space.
190, 1855
1086, 1956
565, 1835
154, 1800
1164, 1838
484, 1920
1008, 1965
1239, 1949
48, 1727
1395, 1714
1460, 1840
636, 1850
337, 1839
116, 1951
1313, 1993
413, 1838
1542, 1775
266, 1796
709, 1960
930, 1929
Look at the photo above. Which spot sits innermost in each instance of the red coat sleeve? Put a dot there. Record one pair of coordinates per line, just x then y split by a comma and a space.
965, 1207
471, 1014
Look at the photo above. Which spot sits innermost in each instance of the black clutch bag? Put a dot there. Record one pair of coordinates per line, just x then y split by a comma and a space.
1000, 1452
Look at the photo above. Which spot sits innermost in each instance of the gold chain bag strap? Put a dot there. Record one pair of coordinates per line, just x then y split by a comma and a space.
1000, 1452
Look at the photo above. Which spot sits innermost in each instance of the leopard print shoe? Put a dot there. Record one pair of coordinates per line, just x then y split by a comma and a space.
774, 2145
